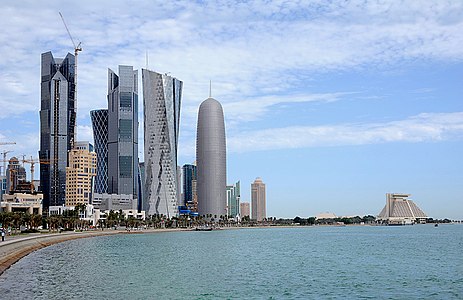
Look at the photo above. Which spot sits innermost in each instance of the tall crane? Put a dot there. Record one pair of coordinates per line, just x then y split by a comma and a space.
77, 48
31, 161
4, 155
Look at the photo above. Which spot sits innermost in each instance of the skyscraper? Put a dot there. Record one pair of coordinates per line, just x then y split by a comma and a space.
57, 125
141, 186
100, 135
258, 200
211, 159
162, 96
189, 175
123, 131
233, 199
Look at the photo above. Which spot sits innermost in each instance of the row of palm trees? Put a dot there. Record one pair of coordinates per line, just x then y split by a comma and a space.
15, 220
72, 220
69, 220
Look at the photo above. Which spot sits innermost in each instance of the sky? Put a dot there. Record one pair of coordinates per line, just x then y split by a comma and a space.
332, 103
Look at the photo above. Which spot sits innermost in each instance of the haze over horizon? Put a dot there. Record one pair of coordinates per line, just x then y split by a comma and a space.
332, 104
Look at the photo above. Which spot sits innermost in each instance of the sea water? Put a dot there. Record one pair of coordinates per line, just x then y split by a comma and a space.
353, 262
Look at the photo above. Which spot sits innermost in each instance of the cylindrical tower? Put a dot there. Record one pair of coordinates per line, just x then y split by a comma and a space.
211, 160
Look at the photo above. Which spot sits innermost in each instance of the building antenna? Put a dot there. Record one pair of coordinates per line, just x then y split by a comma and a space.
147, 59
210, 88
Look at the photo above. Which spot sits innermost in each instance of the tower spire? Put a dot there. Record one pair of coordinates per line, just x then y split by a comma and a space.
147, 59
210, 88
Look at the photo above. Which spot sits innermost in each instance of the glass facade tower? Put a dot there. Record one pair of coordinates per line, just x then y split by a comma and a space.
189, 176
123, 131
100, 136
161, 102
57, 125
233, 200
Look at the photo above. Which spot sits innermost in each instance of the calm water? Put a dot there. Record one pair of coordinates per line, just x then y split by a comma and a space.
413, 262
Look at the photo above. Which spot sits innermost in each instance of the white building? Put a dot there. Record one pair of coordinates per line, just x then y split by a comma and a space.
325, 216
400, 211
114, 202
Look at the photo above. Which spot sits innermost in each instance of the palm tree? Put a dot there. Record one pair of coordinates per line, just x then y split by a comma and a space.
36, 221
80, 208
6, 218
53, 222
16, 220
26, 219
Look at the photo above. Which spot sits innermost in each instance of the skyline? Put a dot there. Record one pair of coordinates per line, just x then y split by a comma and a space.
332, 105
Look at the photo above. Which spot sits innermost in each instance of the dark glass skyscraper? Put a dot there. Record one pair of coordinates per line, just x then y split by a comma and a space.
100, 135
123, 131
189, 174
57, 125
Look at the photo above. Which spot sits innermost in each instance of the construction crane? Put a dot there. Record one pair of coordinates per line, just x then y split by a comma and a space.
4, 159
77, 48
31, 161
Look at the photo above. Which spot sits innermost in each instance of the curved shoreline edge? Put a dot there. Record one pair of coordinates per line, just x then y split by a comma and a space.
13, 251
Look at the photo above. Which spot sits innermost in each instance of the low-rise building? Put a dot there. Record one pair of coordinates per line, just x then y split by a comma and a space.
102, 215
114, 202
58, 210
23, 202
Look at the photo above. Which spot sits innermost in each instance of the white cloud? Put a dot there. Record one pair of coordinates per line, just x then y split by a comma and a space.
84, 133
252, 108
249, 49
257, 53
424, 127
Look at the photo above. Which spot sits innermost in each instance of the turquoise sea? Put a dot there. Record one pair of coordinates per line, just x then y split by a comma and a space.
353, 262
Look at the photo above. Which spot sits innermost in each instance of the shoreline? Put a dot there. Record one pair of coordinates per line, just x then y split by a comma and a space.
12, 251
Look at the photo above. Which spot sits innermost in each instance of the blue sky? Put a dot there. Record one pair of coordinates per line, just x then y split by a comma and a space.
332, 103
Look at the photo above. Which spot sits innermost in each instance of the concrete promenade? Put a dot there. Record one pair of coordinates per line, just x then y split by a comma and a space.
16, 247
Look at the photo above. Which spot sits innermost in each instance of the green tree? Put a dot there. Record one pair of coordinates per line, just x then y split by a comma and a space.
26, 219
36, 221
16, 221
53, 223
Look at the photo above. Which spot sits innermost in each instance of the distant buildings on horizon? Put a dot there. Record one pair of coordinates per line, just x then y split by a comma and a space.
258, 200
